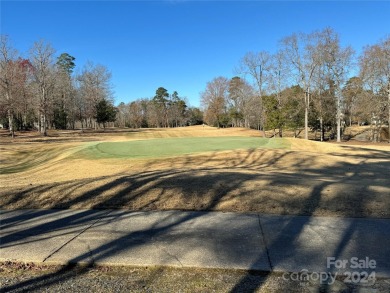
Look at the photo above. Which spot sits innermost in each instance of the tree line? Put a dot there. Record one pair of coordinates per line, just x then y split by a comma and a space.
41, 91
311, 82
162, 110
306, 85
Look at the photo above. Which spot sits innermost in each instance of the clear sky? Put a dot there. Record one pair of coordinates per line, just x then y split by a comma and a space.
181, 45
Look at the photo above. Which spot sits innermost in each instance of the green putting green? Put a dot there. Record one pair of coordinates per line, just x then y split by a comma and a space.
171, 147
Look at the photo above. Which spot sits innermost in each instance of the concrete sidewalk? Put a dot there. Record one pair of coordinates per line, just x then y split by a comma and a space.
197, 239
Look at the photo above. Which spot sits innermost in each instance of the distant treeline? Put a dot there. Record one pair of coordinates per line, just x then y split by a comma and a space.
163, 110
41, 91
306, 85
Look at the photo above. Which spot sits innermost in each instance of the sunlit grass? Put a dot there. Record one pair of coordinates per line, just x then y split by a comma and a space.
171, 147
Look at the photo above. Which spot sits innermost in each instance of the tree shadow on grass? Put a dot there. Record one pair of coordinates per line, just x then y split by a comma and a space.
251, 181
209, 187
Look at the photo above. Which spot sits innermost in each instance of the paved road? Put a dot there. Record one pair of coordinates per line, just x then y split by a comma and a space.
197, 239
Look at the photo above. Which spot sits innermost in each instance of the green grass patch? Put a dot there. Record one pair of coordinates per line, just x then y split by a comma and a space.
173, 147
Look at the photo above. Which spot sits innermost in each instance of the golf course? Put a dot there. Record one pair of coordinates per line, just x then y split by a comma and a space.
194, 168
173, 147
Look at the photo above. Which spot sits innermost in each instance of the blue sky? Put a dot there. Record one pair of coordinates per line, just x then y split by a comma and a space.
181, 45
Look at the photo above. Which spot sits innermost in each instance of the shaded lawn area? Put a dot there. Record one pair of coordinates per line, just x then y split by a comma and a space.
226, 173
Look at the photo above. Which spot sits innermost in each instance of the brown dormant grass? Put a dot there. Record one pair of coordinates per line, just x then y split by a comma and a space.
311, 178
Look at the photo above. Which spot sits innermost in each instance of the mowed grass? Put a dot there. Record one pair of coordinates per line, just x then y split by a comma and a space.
21, 159
173, 147
194, 168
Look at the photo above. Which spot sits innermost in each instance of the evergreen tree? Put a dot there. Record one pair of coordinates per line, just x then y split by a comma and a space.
105, 112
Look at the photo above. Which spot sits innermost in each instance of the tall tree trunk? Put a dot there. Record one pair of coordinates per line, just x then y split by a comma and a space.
379, 131
306, 122
307, 104
262, 117
43, 129
338, 130
338, 119
10, 115
388, 106
11, 123
373, 130
43, 123
350, 120
24, 121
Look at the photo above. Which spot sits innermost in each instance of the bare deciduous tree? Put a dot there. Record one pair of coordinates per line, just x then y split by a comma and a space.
42, 60
95, 86
337, 62
138, 113
8, 80
257, 66
239, 97
278, 81
353, 95
375, 73
213, 100
301, 52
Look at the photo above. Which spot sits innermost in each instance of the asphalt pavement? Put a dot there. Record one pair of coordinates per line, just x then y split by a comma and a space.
344, 246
